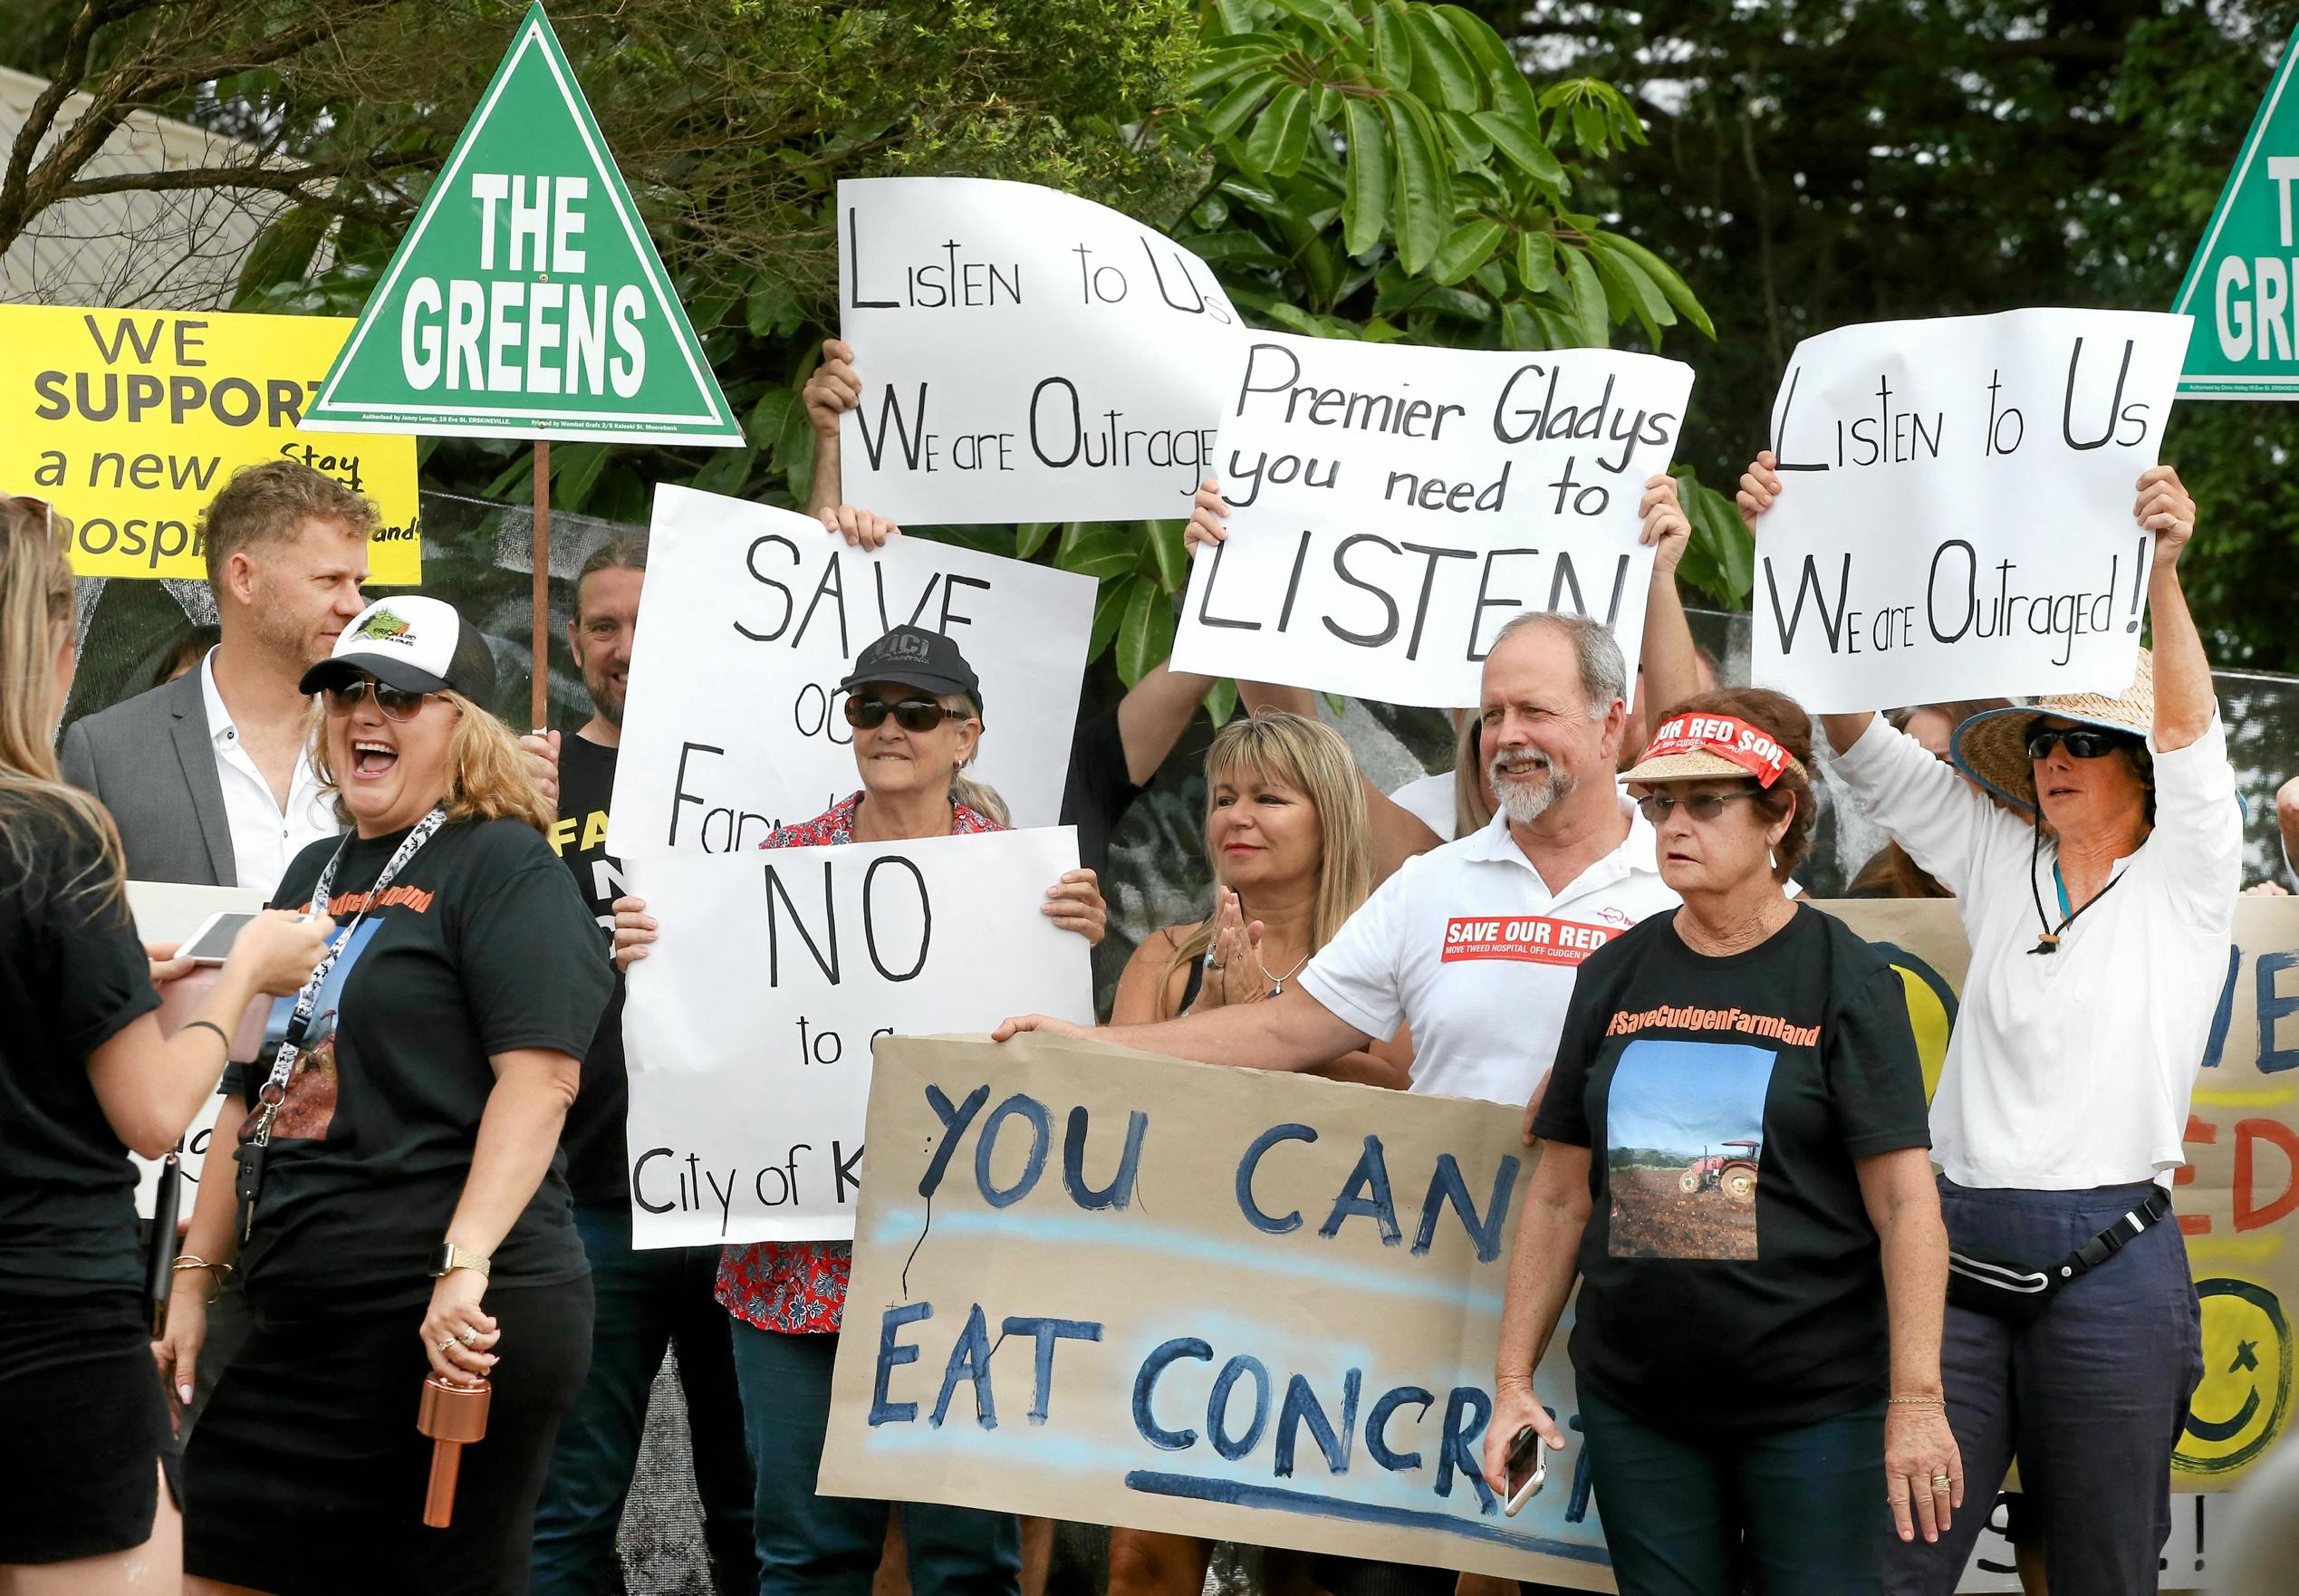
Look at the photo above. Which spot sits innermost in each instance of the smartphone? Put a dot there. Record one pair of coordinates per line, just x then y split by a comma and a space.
213, 941
1528, 1468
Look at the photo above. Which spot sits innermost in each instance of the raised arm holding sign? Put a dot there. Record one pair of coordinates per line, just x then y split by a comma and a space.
1962, 485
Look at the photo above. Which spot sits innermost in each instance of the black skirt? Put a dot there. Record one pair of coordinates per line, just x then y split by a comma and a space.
82, 1420
306, 1475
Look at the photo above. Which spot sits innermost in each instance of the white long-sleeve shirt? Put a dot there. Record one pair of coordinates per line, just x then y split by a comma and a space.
2071, 1070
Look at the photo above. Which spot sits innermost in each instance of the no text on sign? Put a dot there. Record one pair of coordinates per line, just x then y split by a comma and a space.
527, 301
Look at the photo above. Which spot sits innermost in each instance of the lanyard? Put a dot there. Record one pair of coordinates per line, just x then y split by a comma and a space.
274, 1089
2048, 942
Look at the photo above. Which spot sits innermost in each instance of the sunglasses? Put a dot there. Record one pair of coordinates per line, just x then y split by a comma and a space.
1701, 806
2082, 742
396, 703
912, 714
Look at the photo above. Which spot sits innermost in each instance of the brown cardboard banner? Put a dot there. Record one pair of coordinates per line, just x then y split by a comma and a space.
1094, 1285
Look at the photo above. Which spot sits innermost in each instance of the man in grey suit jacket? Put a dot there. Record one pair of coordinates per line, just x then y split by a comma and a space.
206, 775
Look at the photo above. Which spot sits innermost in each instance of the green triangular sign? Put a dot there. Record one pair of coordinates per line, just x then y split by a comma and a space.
527, 301
2243, 287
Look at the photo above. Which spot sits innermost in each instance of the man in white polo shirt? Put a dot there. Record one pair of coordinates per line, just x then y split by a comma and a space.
1475, 944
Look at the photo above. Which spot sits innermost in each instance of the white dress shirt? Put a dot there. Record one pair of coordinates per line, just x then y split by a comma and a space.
2070, 1070
264, 836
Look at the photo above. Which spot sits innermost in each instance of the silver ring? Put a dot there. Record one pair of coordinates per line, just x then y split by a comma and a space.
447, 1345
467, 1336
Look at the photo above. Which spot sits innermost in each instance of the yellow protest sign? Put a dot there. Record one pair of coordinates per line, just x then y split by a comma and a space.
129, 421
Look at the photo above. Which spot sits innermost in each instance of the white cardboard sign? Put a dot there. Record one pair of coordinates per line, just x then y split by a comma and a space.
750, 618
1955, 520
1029, 355
1392, 507
749, 1026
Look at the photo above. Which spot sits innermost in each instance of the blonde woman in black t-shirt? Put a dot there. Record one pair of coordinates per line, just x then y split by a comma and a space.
408, 1215
85, 1077
1763, 1269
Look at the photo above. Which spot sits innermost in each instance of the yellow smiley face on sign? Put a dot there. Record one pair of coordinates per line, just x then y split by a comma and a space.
1931, 1009
2245, 1394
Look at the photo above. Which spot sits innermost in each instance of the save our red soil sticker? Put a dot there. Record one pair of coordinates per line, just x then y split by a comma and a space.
1535, 941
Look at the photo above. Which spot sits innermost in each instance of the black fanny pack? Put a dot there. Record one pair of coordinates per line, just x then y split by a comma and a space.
2018, 1290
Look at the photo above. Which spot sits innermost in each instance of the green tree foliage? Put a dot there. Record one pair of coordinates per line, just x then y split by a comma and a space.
1362, 169
1819, 164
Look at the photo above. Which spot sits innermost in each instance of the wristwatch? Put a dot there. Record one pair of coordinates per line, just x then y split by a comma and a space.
451, 1256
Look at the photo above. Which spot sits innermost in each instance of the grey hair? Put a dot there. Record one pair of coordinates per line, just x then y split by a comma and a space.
1604, 674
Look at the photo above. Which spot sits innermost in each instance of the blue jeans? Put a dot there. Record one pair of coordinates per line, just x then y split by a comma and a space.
2091, 1398
1686, 1512
810, 1545
647, 1300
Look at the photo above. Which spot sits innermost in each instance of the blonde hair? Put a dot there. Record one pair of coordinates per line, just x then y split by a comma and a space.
489, 776
35, 602
1472, 802
978, 796
1277, 749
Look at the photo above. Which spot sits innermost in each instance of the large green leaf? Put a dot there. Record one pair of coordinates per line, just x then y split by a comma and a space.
1168, 554
1421, 195
1329, 14
1365, 197
1536, 261
1393, 44
1592, 324
1109, 610
1672, 286
574, 470
1145, 634
1030, 537
1442, 74
1236, 106
1097, 549
1719, 558
1516, 139
1221, 701
1470, 246
1281, 138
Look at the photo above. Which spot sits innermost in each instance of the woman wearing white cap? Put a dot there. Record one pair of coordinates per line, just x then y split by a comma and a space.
915, 707
2099, 909
1755, 1346
399, 1210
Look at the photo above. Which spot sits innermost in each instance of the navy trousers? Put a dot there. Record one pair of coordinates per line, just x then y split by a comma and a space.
2091, 1398
810, 1545
1686, 1512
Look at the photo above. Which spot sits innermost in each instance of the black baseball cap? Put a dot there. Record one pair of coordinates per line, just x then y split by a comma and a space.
913, 657
414, 643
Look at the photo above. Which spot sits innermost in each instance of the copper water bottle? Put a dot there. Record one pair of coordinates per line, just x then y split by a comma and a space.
453, 1416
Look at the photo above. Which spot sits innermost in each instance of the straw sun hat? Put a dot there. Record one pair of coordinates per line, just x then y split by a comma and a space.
1991, 747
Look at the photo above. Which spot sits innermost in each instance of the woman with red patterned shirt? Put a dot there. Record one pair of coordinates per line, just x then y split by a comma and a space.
915, 707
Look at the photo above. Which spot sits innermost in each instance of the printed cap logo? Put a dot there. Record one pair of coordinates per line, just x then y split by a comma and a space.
902, 645
383, 627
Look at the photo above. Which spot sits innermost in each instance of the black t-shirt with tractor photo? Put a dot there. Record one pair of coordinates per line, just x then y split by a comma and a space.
480, 947
1730, 1276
